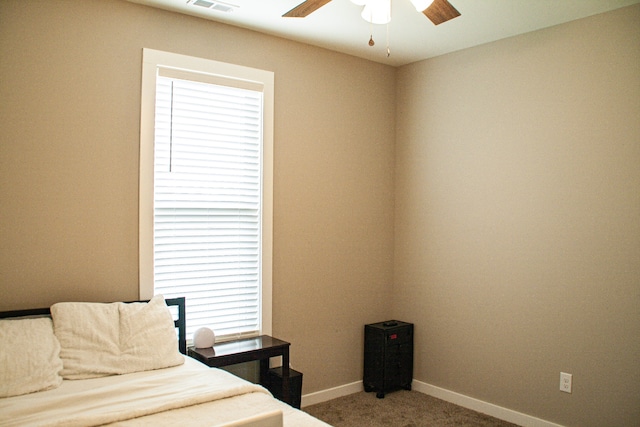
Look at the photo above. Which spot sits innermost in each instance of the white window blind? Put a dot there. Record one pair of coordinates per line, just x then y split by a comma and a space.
207, 202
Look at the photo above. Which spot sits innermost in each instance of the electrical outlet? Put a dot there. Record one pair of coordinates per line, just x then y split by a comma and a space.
565, 382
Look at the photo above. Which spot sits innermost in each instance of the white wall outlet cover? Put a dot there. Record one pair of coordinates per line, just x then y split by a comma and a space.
204, 338
565, 382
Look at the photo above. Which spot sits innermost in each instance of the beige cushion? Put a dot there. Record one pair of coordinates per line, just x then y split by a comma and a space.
110, 339
148, 337
29, 356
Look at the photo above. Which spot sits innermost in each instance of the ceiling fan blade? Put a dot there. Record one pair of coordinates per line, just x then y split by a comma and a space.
305, 8
440, 11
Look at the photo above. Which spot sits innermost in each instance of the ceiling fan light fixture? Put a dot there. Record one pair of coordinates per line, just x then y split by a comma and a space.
421, 5
377, 11
359, 2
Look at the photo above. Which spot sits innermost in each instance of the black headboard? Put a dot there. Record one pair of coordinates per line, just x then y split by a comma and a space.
180, 322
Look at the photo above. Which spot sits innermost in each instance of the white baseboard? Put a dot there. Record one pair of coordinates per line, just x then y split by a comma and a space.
496, 411
331, 393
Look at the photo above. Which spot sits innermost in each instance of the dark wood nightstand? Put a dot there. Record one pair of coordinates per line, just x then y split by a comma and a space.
260, 348
388, 356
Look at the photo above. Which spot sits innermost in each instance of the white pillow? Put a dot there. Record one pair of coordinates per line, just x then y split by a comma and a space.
111, 339
29, 356
148, 337
89, 335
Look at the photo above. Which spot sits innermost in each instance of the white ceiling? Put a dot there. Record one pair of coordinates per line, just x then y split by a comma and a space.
412, 37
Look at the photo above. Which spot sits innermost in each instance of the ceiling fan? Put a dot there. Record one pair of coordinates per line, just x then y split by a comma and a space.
438, 11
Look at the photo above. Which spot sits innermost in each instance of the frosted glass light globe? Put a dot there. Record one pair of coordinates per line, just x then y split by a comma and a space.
377, 11
421, 5
204, 338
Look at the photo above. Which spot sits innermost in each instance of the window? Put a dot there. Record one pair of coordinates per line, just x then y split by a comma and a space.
206, 155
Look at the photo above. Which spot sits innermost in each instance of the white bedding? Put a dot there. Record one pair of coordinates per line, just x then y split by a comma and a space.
189, 393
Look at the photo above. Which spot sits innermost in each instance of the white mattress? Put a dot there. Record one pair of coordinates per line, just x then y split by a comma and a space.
189, 393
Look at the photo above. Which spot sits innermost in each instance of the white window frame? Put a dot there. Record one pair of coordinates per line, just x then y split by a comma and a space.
152, 61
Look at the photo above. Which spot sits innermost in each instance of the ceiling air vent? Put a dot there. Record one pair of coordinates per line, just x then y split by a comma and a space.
214, 5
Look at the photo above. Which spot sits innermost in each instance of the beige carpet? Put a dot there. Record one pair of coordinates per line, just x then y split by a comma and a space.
398, 409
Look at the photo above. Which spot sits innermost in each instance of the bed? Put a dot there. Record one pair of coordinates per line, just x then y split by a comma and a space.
121, 364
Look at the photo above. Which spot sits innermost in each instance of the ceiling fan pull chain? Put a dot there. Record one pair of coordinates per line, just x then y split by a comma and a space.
371, 42
389, 23
388, 50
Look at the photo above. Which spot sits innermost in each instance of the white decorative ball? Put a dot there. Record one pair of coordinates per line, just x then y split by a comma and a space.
204, 338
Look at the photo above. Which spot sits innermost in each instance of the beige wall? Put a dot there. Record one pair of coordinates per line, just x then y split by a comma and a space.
69, 119
517, 240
